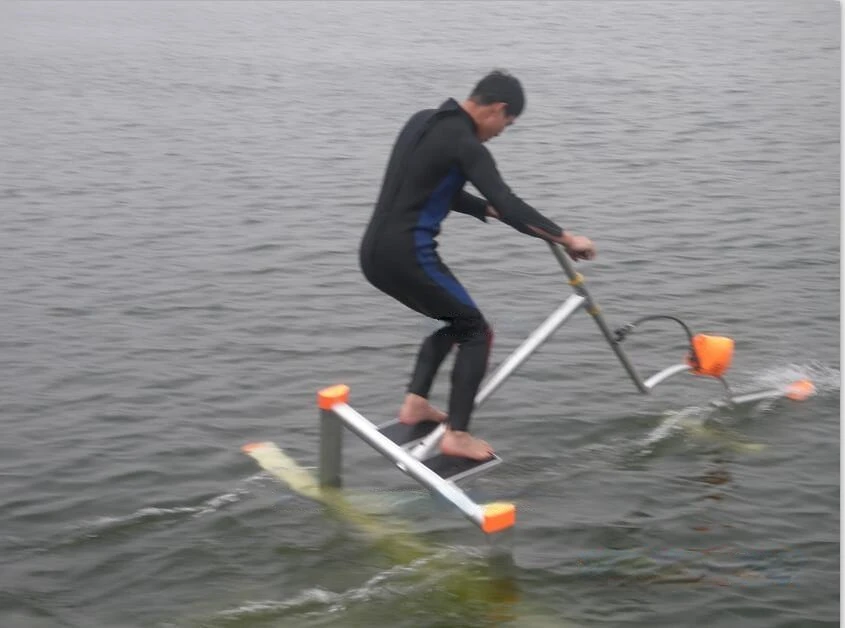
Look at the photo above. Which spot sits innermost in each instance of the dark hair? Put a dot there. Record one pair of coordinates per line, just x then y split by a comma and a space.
499, 86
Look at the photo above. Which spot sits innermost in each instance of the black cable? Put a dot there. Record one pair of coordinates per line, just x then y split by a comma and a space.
623, 331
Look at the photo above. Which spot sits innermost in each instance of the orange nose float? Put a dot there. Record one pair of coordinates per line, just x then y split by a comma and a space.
800, 390
713, 355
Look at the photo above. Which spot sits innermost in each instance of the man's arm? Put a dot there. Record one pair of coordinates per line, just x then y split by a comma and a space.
466, 203
479, 167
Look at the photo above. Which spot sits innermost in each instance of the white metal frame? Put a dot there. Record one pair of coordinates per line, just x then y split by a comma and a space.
410, 462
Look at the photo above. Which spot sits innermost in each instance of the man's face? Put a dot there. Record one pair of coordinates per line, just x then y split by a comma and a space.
494, 122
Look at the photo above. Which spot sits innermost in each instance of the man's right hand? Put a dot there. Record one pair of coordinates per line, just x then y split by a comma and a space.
578, 247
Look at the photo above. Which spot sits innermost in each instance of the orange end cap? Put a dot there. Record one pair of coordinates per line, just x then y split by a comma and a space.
250, 447
498, 516
800, 390
333, 395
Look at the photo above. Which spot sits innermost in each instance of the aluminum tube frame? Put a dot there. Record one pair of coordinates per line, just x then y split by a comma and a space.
426, 447
410, 465
331, 449
577, 282
773, 393
760, 395
529, 346
665, 374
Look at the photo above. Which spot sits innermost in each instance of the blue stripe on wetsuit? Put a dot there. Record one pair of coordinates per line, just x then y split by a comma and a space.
431, 215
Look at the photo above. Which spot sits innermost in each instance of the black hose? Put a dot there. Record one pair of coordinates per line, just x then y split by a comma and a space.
623, 331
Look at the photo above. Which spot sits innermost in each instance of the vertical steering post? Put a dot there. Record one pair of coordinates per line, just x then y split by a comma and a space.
576, 280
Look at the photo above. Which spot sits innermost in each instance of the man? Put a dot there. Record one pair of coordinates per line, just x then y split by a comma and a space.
435, 154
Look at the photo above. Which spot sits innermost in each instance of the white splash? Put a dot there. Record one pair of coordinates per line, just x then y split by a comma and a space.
673, 423
153, 512
381, 585
305, 598
824, 378
693, 420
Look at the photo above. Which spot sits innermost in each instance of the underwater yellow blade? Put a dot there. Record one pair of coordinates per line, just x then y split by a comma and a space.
501, 595
393, 536
272, 459
699, 431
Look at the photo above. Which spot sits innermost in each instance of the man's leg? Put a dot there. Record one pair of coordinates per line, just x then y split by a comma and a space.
474, 338
433, 351
432, 290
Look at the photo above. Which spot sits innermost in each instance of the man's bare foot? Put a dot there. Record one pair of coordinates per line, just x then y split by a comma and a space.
416, 409
466, 446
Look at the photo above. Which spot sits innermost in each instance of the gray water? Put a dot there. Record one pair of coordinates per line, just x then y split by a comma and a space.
183, 189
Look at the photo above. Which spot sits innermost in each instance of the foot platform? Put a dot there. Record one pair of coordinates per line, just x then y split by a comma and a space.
437, 473
407, 435
453, 468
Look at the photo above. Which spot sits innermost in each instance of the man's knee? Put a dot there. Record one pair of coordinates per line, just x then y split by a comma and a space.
472, 329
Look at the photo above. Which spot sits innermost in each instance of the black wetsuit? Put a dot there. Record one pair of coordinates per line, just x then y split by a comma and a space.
436, 153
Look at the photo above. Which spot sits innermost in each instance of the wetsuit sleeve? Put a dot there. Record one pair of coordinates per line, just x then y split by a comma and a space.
480, 168
466, 203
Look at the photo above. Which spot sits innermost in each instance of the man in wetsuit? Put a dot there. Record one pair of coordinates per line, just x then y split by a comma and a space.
435, 154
